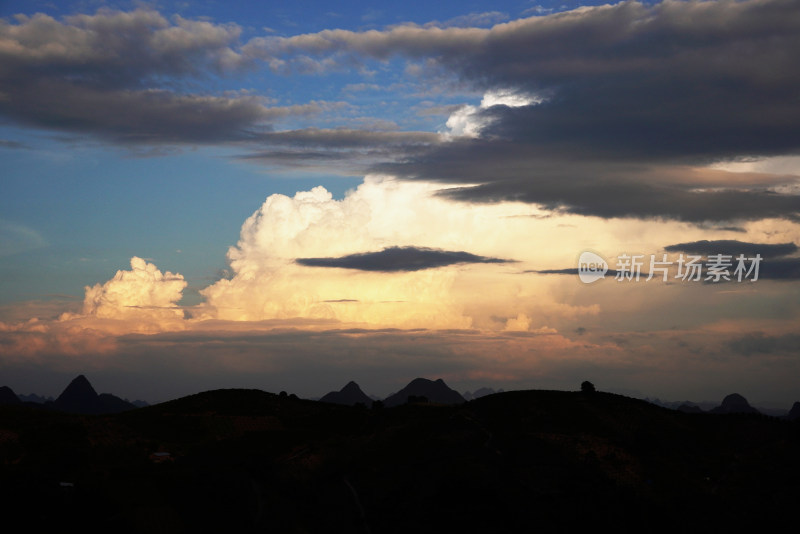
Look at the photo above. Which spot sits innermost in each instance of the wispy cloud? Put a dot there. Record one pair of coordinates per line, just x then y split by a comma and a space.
16, 238
6, 143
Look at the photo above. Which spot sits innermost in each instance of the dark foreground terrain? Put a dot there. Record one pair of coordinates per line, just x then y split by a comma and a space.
250, 461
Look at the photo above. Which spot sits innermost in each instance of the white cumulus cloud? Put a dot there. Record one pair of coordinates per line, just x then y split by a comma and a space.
143, 293
467, 121
268, 284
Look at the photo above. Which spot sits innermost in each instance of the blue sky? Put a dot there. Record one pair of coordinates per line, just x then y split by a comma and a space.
221, 179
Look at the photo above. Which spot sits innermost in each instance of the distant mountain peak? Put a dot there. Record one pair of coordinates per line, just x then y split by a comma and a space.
434, 390
81, 397
734, 403
79, 389
7, 396
81, 381
734, 399
349, 395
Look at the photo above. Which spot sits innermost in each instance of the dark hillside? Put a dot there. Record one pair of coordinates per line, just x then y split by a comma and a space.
7, 396
251, 461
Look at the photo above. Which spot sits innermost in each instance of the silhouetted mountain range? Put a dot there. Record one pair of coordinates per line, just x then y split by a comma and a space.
34, 398
431, 390
735, 403
350, 395
80, 397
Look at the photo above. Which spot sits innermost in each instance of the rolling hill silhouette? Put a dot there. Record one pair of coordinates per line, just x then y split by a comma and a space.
253, 461
480, 392
249, 460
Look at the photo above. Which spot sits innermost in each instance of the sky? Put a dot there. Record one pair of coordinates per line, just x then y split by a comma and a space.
505, 194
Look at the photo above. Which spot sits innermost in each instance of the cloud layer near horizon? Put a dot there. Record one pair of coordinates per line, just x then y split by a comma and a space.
287, 355
419, 279
471, 324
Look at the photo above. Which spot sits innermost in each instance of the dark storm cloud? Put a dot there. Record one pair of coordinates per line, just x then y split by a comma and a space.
772, 267
621, 199
631, 95
510, 170
704, 79
733, 247
399, 259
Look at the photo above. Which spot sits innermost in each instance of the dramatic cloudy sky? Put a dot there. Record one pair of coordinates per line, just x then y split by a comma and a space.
289, 196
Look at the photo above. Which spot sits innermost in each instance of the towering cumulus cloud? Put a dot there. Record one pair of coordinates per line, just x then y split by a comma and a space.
274, 278
143, 293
